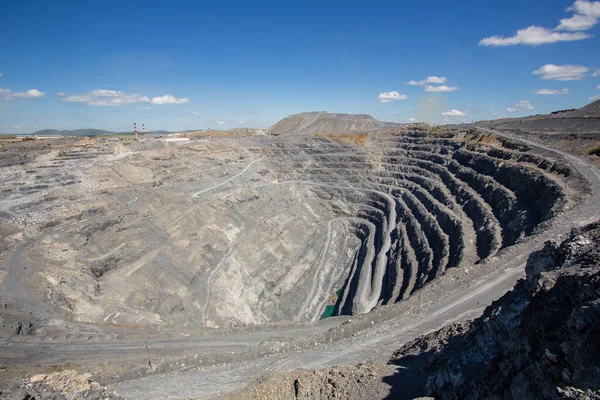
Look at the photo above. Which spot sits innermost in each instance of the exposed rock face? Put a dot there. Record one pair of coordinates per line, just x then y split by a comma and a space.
324, 122
541, 340
268, 230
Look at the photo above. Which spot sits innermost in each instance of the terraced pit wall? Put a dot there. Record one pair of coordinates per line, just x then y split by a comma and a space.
257, 230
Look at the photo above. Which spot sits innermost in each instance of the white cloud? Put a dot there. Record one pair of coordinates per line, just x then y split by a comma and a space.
577, 23
442, 88
494, 113
147, 108
595, 98
562, 72
30, 94
524, 104
169, 99
598, 86
16, 126
241, 122
103, 97
533, 36
221, 122
430, 79
454, 113
387, 97
509, 109
596, 73
61, 94
549, 92
115, 98
1, 74
195, 113
586, 16
412, 120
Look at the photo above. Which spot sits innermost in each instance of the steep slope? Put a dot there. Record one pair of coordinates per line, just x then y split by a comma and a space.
541, 340
324, 122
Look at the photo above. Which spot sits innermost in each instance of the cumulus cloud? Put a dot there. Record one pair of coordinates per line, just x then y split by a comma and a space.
509, 109
387, 97
598, 86
595, 98
104, 97
562, 72
454, 113
221, 122
429, 80
61, 94
30, 94
550, 92
116, 98
596, 73
586, 16
412, 120
524, 104
533, 36
169, 99
442, 88
494, 113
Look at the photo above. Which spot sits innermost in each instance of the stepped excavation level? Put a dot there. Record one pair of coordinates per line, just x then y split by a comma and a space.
247, 265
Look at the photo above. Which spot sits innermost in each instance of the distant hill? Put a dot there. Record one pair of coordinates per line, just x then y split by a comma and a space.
89, 132
576, 121
324, 122
76, 132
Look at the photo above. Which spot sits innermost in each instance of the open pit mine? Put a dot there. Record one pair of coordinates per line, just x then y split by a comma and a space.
189, 269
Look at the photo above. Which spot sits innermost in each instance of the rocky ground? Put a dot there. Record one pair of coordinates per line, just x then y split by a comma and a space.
208, 263
146, 235
576, 131
540, 340
64, 385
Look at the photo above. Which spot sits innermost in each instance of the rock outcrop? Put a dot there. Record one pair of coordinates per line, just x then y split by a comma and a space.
63, 385
540, 340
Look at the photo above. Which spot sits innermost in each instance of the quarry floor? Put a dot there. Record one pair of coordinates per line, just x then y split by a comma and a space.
183, 363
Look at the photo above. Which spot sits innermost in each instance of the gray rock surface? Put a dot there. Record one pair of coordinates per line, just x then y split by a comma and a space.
540, 340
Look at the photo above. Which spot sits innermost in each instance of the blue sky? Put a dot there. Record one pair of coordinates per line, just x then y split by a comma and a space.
191, 65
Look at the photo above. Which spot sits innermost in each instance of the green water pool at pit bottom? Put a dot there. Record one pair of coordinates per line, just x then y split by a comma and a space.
330, 308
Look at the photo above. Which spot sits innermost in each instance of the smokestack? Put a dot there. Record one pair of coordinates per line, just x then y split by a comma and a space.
135, 131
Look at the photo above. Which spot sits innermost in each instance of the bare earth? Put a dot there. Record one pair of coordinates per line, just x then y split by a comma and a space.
190, 270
